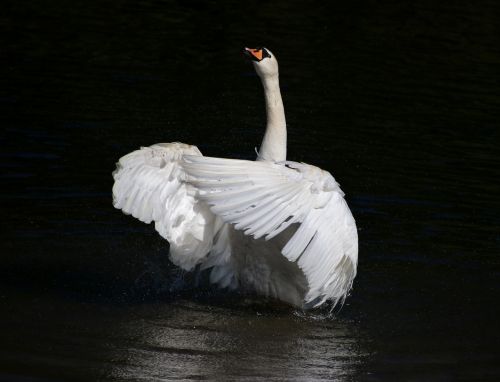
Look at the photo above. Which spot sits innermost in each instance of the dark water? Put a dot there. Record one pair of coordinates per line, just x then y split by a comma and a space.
400, 101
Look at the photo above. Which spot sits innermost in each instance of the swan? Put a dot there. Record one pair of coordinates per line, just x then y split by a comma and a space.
277, 228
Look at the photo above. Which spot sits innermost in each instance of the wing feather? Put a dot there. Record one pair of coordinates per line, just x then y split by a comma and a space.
264, 198
149, 185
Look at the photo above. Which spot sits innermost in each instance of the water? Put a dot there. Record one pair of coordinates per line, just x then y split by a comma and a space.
399, 101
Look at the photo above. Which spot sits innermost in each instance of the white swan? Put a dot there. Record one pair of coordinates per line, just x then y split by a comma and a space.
279, 228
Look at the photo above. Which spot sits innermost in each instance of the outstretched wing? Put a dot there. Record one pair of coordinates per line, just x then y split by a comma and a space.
149, 186
264, 198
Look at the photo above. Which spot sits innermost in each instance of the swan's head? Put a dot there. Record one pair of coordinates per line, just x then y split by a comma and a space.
263, 60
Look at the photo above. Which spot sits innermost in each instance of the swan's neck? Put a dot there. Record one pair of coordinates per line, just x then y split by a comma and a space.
273, 147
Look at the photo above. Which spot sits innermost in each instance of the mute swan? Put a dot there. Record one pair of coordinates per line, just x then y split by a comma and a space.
275, 227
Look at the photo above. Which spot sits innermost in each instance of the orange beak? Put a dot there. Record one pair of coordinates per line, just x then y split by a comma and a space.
254, 54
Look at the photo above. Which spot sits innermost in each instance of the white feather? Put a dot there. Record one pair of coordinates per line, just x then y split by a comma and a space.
325, 244
148, 185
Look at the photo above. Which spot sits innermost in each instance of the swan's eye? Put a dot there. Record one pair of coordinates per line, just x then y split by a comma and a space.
265, 53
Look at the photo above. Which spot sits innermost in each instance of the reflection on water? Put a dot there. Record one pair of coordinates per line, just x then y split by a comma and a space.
195, 342
178, 340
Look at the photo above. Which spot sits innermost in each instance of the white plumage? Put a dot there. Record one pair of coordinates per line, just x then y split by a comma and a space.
279, 228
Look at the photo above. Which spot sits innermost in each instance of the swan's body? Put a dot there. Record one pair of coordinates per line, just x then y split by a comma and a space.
281, 229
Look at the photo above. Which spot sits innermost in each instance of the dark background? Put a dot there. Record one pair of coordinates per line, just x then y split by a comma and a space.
399, 100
